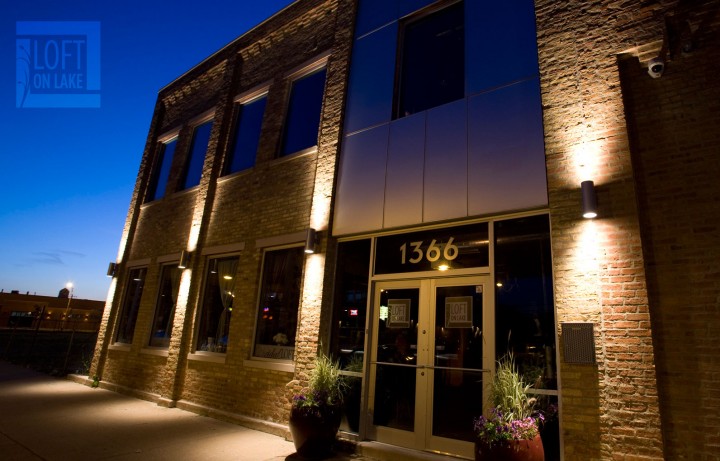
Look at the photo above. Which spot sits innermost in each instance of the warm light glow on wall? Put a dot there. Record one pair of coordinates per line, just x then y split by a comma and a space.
587, 256
195, 229
314, 270
587, 157
320, 214
123, 244
183, 293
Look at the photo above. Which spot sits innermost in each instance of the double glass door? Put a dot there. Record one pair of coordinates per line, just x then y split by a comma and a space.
432, 347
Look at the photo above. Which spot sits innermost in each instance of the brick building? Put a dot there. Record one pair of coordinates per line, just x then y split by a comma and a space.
399, 184
26, 311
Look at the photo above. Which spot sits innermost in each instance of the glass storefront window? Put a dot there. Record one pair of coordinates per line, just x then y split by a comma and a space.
348, 327
131, 306
524, 309
216, 312
165, 307
278, 307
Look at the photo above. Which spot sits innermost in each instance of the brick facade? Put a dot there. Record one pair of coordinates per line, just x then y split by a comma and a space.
643, 273
278, 197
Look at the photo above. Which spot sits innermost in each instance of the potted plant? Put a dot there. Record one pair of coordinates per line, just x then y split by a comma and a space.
315, 414
511, 431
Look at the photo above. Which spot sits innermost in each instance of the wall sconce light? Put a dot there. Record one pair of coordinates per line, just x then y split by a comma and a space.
589, 199
112, 270
184, 259
311, 241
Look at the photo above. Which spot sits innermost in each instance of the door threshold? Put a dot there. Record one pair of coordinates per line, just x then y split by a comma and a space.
386, 452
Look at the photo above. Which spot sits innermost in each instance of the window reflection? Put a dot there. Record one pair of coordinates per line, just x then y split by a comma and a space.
432, 70
216, 311
131, 306
303, 116
525, 316
279, 300
165, 307
159, 180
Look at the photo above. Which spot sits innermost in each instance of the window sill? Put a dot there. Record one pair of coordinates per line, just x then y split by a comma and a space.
301, 153
201, 356
159, 351
267, 365
120, 347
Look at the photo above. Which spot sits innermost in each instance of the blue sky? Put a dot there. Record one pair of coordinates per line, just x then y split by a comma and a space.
68, 174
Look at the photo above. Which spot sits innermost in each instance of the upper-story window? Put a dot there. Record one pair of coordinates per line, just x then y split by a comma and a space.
431, 67
303, 116
130, 306
196, 157
247, 135
161, 173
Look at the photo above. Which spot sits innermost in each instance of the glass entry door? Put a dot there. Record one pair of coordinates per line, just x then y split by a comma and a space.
431, 352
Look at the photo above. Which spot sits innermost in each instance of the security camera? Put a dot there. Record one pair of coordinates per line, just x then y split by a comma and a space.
656, 66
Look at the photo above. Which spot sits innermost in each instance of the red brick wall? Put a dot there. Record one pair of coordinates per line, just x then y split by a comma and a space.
609, 410
674, 125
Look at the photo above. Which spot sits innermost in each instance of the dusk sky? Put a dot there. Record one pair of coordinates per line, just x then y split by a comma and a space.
68, 173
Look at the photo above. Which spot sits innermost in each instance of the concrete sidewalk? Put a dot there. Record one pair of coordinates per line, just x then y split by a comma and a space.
46, 418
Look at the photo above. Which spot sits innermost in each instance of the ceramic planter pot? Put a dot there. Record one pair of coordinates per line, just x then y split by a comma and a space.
512, 450
314, 435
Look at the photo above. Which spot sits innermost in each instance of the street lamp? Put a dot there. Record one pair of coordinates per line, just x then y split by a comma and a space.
69, 286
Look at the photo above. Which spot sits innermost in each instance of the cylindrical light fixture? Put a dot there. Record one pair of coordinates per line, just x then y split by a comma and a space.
310, 241
112, 270
589, 199
184, 259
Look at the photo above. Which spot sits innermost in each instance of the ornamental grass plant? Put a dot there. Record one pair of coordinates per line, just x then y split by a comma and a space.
513, 415
326, 387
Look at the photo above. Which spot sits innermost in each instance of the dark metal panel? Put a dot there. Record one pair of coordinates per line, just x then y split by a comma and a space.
506, 150
361, 184
404, 181
446, 163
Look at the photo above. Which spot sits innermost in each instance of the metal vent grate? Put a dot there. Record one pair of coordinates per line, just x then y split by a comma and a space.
578, 342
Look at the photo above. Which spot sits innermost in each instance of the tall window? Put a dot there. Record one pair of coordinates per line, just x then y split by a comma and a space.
165, 307
347, 338
432, 61
193, 171
130, 306
217, 306
247, 135
524, 309
303, 117
158, 182
278, 305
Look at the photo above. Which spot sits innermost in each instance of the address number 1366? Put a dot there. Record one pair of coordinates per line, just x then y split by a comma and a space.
432, 254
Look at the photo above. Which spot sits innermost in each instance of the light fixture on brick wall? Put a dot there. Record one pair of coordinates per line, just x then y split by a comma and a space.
184, 259
112, 270
311, 241
589, 199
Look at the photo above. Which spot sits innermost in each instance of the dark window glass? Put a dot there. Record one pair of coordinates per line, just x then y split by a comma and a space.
159, 180
247, 135
432, 61
524, 309
303, 117
193, 172
279, 301
217, 306
165, 307
130, 306
348, 327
